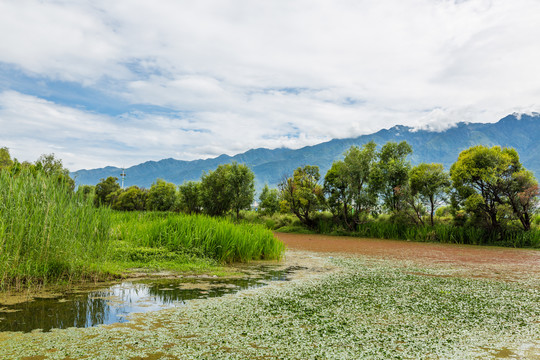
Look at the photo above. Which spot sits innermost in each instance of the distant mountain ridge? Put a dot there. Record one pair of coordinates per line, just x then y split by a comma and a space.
519, 131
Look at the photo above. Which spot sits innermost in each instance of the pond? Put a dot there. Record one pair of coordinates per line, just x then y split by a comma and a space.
113, 304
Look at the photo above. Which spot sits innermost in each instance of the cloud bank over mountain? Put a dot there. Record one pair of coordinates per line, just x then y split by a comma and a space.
519, 131
119, 83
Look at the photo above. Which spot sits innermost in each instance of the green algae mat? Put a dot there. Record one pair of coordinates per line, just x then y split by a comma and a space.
367, 309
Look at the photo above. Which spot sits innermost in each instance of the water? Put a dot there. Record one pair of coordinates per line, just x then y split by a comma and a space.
114, 303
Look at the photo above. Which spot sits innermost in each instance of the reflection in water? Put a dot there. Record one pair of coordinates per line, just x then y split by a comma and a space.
113, 304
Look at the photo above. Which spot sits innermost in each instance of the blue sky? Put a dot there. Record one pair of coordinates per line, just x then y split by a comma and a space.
121, 82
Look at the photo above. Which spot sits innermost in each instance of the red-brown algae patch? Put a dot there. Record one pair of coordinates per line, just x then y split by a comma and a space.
478, 261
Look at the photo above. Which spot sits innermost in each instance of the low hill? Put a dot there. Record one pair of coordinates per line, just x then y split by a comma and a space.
521, 132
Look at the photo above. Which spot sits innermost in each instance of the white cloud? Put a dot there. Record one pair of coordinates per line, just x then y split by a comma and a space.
245, 74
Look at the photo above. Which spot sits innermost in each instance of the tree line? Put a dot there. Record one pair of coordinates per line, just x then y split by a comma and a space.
228, 188
486, 187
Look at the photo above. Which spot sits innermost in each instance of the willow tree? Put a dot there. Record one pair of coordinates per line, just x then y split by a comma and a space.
489, 180
302, 194
348, 187
429, 182
391, 172
241, 181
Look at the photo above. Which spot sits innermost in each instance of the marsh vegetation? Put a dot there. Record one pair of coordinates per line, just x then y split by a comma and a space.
51, 233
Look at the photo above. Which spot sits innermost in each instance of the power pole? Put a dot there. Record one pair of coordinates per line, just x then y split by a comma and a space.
123, 176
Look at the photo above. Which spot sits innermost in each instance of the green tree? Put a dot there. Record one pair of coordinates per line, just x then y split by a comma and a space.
429, 182
521, 192
481, 175
215, 191
268, 201
131, 199
87, 191
53, 167
5, 158
358, 167
390, 173
161, 196
104, 189
241, 183
301, 194
190, 197
347, 183
338, 191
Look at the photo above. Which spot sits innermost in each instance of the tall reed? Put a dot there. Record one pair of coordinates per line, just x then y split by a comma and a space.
47, 232
217, 238
450, 234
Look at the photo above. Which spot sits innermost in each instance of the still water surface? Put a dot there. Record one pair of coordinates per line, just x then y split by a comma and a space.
114, 303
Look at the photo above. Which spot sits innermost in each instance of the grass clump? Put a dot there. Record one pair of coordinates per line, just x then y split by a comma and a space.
198, 235
47, 232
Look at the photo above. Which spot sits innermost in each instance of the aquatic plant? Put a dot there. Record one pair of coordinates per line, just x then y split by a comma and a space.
46, 230
216, 238
369, 310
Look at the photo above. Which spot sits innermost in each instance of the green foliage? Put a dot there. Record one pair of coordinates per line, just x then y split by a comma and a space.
269, 201
87, 191
347, 184
47, 232
229, 187
215, 238
161, 196
104, 189
522, 193
302, 195
391, 172
190, 197
241, 187
52, 167
336, 186
493, 186
215, 193
131, 199
430, 183
5, 158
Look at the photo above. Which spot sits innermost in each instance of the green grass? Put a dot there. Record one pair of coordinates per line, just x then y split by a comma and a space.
47, 231
198, 235
48, 234
449, 234
384, 228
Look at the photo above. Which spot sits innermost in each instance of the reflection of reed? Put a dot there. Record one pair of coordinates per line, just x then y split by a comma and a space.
112, 304
47, 314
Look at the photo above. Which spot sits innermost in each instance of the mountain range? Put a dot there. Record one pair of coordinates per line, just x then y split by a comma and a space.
520, 131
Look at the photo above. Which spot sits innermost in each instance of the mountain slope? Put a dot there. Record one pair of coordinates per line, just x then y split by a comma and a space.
521, 132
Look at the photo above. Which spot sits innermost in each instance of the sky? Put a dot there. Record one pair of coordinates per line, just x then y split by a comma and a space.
121, 82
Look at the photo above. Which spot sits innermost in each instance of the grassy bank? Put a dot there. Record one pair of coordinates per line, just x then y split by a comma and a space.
384, 228
48, 233
370, 310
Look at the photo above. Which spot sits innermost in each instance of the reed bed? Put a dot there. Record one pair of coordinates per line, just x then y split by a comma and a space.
217, 238
450, 234
47, 232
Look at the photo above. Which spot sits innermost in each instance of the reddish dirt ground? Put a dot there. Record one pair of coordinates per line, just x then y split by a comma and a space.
483, 261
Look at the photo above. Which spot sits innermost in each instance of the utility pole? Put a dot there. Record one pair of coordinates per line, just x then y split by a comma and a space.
123, 176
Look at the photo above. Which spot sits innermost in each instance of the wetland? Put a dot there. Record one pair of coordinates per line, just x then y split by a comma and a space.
360, 299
